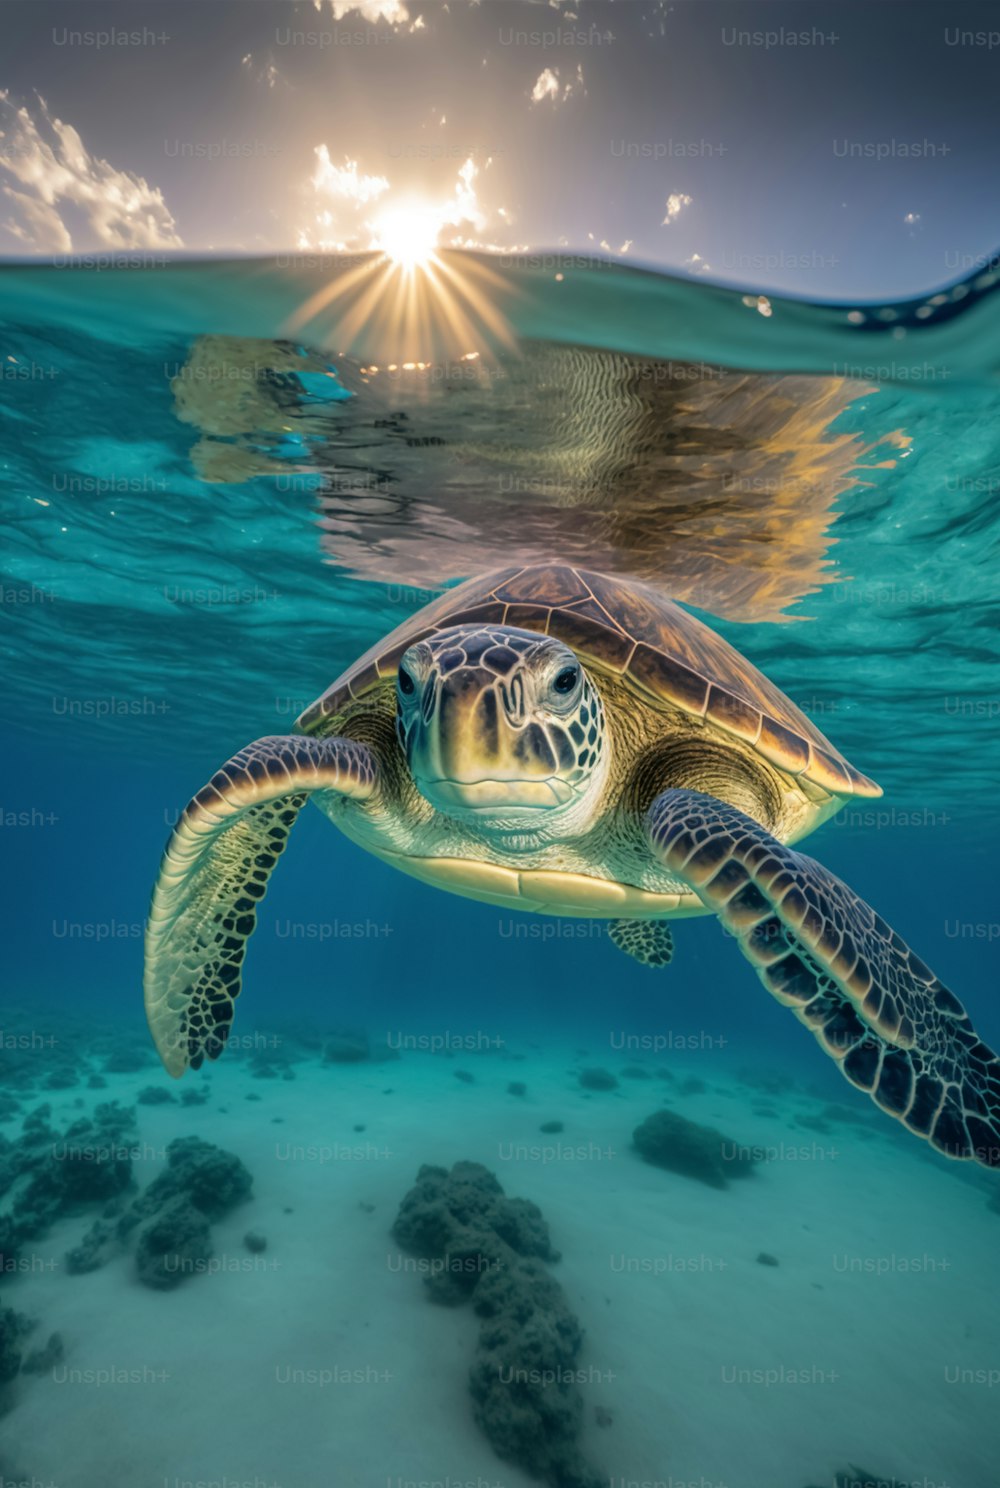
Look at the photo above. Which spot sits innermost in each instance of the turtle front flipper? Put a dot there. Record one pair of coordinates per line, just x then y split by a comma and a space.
215, 871
647, 941
893, 1028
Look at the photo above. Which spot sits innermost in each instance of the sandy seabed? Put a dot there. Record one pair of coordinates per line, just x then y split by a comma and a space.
320, 1361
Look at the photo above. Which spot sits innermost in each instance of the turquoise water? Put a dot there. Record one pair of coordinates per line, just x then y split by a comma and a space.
202, 532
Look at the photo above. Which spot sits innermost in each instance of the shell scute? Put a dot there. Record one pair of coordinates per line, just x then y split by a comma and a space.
734, 715
612, 649
551, 584
528, 617
665, 677
783, 748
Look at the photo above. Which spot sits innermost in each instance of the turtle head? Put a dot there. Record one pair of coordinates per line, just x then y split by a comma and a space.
502, 727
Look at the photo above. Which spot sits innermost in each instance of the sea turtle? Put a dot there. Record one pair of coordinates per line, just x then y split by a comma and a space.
556, 740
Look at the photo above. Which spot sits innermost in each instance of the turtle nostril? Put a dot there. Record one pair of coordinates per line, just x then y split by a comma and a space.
407, 686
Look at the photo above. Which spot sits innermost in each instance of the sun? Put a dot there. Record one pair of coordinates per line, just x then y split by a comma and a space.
408, 235
410, 300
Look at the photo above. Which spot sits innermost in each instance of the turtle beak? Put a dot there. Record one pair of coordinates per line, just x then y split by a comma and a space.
471, 747
464, 729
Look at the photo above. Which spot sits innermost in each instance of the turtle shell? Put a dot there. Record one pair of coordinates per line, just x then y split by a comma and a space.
665, 655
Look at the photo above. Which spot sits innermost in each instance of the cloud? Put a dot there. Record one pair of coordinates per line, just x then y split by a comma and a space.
45, 166
393, 12
345, 181
546, 87
549, 86
352, 212
341, 195
267, 74
36, 225
697, 264
676, 202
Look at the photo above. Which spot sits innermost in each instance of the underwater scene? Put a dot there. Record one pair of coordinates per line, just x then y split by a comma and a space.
599, 1087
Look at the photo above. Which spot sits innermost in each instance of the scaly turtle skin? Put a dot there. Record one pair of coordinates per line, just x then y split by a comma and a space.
555, 740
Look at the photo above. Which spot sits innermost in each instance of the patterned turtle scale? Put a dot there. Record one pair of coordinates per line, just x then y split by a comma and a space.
666, 655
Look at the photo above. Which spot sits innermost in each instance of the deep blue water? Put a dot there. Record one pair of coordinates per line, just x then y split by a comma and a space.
345, 939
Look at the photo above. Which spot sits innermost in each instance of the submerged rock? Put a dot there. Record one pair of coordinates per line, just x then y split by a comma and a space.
174, 1245
523, 1379
37, 1120
271, 1062
59, 1174
352, 1046
91, 1162
94, 1159
96, 1247
154, 1095
451, 1215
41, 1360
10, 1243
14, 1326
853, 1115
33, 1051
670, 1141
208, 1177
693, 1085
598, 1079
769, 1082
346, 1046
61, 1079
200, 1178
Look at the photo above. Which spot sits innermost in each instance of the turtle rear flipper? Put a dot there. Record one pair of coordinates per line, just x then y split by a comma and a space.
647, 941
893, 1028
213, 874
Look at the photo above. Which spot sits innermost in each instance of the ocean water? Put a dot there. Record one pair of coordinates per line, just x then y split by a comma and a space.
222, 483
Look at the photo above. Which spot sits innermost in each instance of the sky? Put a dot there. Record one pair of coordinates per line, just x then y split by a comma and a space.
834, 151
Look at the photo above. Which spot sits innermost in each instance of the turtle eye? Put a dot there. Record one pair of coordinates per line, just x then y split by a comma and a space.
407, 686
566, 680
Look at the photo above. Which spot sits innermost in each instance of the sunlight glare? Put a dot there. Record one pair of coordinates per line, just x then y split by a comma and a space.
408, 235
